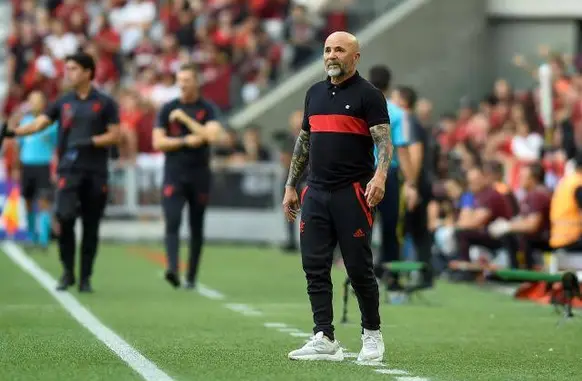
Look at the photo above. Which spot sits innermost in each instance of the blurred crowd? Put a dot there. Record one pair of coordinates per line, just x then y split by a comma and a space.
499, 143
498, 163
241, 47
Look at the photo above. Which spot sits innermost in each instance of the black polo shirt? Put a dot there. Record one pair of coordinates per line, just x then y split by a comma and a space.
185, 159
339, 118
79, 120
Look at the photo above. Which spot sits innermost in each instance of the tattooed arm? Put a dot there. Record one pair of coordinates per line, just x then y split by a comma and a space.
383, 141
299, 159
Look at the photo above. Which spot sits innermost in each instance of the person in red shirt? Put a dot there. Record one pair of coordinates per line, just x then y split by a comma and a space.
472, 227
532, 226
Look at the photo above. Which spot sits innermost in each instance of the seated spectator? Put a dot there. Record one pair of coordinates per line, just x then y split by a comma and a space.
252, 148
446, 208
532, 226
495, 174
565, 216
227, 151
472, 226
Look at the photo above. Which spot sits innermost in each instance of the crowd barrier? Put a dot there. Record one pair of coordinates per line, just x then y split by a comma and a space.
244, 204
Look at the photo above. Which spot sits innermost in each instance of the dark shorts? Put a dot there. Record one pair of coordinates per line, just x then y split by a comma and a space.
36, 181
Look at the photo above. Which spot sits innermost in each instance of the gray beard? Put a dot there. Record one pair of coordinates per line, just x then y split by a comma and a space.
334, 72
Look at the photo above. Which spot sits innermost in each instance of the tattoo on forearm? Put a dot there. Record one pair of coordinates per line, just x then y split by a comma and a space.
299, 159
383, 140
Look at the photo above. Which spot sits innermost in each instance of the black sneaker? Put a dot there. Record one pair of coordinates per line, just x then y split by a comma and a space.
173, 279
67, 280
85, 286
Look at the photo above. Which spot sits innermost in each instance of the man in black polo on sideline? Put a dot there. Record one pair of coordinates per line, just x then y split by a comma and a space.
187, 126
345, 117
89, 125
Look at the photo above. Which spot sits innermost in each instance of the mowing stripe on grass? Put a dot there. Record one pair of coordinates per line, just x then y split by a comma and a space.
247, 310
144, 367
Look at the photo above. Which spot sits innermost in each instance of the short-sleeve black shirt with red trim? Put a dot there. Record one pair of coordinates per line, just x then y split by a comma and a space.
185, 159
339, 118
79, 120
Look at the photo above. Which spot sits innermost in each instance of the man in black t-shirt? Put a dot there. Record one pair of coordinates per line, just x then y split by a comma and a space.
88, 127
345, 117
186, 128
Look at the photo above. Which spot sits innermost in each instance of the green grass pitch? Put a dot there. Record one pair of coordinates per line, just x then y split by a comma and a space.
467, 334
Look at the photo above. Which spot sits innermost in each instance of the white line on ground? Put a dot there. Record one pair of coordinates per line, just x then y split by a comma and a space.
394, 372
275, 325
144, 367
209, 293
243, 309
288, 330
295, 332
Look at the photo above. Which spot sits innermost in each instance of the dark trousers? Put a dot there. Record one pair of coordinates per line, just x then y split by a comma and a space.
389, 209
176, 193
530, 245
417, 227
468, 238
329, 218
83, 194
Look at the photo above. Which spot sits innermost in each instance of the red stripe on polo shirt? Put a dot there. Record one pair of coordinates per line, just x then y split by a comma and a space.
342, 124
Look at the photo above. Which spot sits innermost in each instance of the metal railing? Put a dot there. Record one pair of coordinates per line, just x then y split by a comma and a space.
136, 193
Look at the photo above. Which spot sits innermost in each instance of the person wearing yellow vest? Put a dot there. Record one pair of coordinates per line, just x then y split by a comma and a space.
565, 211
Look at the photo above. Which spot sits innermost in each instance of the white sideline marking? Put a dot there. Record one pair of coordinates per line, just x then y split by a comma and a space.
275, 325
243, 309
395, 372
146, 369
288, 330
209, 293
248, 310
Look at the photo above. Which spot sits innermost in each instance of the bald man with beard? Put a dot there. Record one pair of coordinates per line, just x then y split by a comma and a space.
345, 117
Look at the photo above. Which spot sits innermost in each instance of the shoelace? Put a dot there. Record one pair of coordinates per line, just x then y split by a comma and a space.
371, 342
315, 341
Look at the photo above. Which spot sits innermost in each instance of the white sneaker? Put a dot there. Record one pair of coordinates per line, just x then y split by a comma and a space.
319, 347
372, 346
